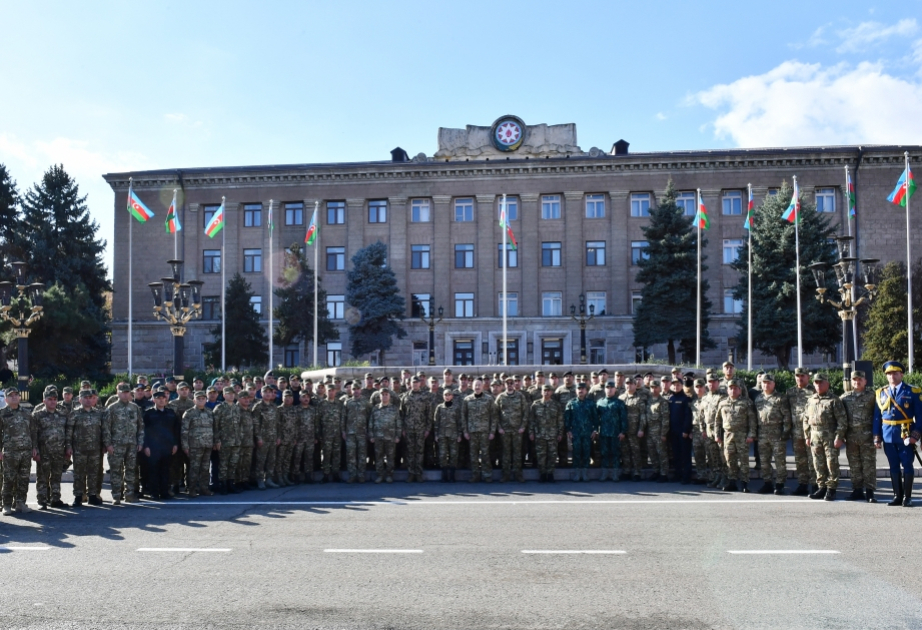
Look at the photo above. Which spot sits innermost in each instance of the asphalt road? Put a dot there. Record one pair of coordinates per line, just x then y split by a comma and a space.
437, 555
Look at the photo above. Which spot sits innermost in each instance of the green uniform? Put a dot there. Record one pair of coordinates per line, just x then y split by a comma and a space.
356, 415
478, 416
545, 426
198, 442
123, 432
774, 429
16, 443
826, 421
512, 416
859, 443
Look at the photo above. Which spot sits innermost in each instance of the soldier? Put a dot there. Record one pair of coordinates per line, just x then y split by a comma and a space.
680, 431
580, 420
267, 437
416, 411
620, 387
774, 430
162, 430
803, 456
16, 452
249, 422
356, 415
288, 435
512, 420
198, 440
227, 430
478, 417
612, 419
636, 427
564, 394
49, 435
123, 435
545, 427
331, 418
897, 427
658, 430
859, 442
302, 462
84, 440
699, 432
716, 462
736, 421
180, 404
386, 427
826, 423
446, 421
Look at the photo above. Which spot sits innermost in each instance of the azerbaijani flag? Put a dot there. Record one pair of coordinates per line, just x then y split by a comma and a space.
137, 208
312, 229
851, 194
217, 222
702, 219
505, 225
750, 211
904, 189
172, 219
792, 214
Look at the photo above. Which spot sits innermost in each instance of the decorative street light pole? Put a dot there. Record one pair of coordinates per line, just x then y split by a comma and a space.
582, 320
177, 303
22, 311
849, 298
431, 322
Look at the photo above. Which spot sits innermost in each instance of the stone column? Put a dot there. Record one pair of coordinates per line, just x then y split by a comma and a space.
529, 255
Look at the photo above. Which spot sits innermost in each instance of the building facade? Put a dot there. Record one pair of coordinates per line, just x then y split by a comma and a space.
577, 216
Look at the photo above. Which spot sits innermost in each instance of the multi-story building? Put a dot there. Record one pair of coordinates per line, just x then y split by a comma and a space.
577, 216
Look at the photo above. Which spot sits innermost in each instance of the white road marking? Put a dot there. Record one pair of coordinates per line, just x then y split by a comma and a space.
372, 550
183, 549
17, 548
760, 552
492, 502
573, 551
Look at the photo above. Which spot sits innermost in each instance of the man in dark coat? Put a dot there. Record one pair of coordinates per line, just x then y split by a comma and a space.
161, 441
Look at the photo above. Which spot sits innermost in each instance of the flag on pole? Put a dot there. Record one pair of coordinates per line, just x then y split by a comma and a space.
216, 224
750, 211
904, 188
701, 218
312, 229
172, 219
505, 225
851, 194
137, 208
792, 214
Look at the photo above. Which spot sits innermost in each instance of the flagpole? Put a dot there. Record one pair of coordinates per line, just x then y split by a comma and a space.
908, 263
749, 287
223, 288
698, 296
130, 282
848, 221
505, 264
271, 363
175, 232
316, 262
800, 353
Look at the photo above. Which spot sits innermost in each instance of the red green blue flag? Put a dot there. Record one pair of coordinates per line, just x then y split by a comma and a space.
701, 219
217, 222
750, 211
137, 208
904, 189
792, 214
505, 225
851, 194
172, 219
312, 230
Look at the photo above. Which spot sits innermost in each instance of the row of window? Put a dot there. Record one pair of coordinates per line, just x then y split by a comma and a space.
594, 205
731, 250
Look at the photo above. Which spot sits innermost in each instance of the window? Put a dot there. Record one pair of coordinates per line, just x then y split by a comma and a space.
597, 351
464, 210
211, 261
825, 199
687, 201
596, 299
551, 304
639, 251
636, 299
732, 202
294, 215
336, 258
292, 356
772, 192
550, 254
336, 306
464, 304
512, 255
512, 301
550, 206
464, 256
595, 206
377, 211
640, 204
256, 301
512, 208
252, 260
252, 214
595, 253
208, 212
419, 257
336, 212
211, 307
421, 305
731, 305
419, 211
732, 250
334, 354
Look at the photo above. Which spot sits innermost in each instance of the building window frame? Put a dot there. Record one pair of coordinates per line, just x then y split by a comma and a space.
420, 211
420, 256
598, 299
595, 206
550, 207
211, 307
826, 200
512, 301
595, 253
512, 208
336, 258
688, 201
640, 204
252, 260
256, 303
294, 213
639, 252
511, 257
732, 306
336, 306
336, 212
334, 354
464, 305
552, 304
252, 215
420, 304
731, 203
551, 254
211, 261
377, 211
464, 255
464, 210
731, 250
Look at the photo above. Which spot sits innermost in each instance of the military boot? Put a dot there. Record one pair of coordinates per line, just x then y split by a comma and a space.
575, 475
654, 476
907, 490
744, 487
270, 483
730, 486
766, 488
814, 489
22, 508
504, 478
820, 493
43, 505
222, 488
260, 485
57, 503
475, 477
616, 475
897, 482
830, 494
94, 500
78, 500
856, 495
869, 494
520, 476
779, 489
7, 510
444, 478
232, 488
801, 490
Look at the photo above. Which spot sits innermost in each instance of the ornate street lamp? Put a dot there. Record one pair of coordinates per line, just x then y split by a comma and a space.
177, 303
22, 310
582, 320
431, 322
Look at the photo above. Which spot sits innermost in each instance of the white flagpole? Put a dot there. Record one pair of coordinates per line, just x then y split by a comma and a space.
175, 232
130, 282
271, 229
908, 265
848, 222
316, 262
800, 351
223, 288
749, 286
698, 298
505, 264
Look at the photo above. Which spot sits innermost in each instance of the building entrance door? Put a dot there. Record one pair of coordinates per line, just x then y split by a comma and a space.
513, 351
464, 351
551, 351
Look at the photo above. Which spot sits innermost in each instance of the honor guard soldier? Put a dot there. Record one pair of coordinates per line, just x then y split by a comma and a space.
897, 427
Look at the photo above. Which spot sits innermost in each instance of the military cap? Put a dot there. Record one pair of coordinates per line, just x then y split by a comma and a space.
12, 390
801, 372
200, 394
539, 373
308, 381
509, 377
85, 384
619, 373
688, 381
385, 390
593, 373
546, 388
638, 375
386, 378
246, 394
713, 377
657, 383
581, 385
50, 393
157, 394
820, 377
495, 381
610, 384
527, 377
858, 374
690, 374
51, 388
646, 374
67, 390
182, 384
603, 371
269, 374
666, 379
198, 379
415, 379
448, 391
267, 388
356, 384
700, 382
568, 373
288, 394
170, 379
211, 389
728, 364
893, 366
139, 386
229, 390
676, 369
446, 371
86, 393
369, 375
124, 387
768, 378
735, 382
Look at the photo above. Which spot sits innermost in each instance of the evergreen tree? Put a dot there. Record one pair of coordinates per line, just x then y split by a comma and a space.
669, 273
295, 310
884, 331
372, 291
9, 213
774, 283
247, 342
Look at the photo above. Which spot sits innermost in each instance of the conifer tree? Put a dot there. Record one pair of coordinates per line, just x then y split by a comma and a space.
295, 307
372, 291
247, 342
884, 334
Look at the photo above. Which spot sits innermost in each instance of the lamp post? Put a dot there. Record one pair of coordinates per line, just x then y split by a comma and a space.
431, 322
21, 310
582, 320
177, 303
851, 294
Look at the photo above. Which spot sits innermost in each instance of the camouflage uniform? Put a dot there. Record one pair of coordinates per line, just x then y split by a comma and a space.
386, 426
737, 421
636, 421
198, 439
826, 421
563, 395
16, 443
545, 423
227, 428
84, 438
289, 418
266, 416
717, 463
179, 463
331, 418
447, 427
49, 434
356, 415
249, 422
123, 431
859, 443
478, 417
699, 441
774, 416
803, 456
657, 434
416, 410
580, 420
612, 417
512, 418
304, 448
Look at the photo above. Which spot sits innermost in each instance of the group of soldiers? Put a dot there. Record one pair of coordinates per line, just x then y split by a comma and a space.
269, 432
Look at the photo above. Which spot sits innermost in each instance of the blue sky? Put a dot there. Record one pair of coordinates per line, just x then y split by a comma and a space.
104, 87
